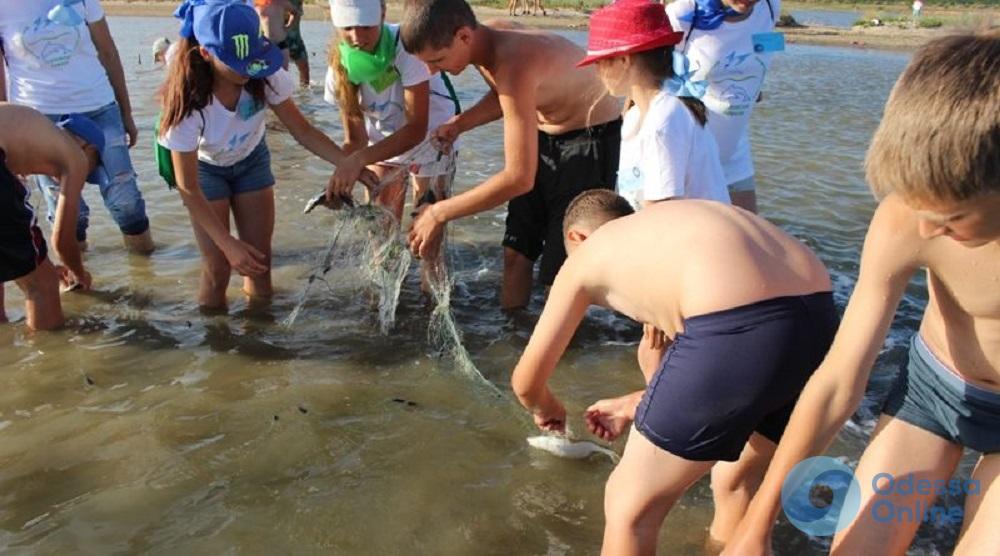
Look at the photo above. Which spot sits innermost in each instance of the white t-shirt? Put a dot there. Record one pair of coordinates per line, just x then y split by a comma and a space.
671, 155
725, 57
385, 112
52, 66
222, 137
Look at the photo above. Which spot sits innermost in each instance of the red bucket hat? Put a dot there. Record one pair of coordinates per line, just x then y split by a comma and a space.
627, 27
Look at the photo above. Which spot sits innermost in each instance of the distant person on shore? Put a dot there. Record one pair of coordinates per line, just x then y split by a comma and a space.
747, 314
219, 85
561, 133
729, 44
272, 19
160, 48
296, 46
935, 163
389, 103
31, 144
60, 59
918, 8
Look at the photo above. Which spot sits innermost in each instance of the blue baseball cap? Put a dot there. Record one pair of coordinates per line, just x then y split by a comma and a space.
86, 129
231, 31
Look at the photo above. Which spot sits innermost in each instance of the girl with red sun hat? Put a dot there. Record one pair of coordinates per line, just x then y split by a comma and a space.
667, 153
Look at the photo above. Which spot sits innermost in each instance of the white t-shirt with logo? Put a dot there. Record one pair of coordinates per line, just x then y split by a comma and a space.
385, 112
670, 156
223, 137
725, 57
52, 66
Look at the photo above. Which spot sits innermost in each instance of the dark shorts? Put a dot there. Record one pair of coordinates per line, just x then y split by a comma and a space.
735, 372
568, 165
22, 246
253, 173
296, 47
929, 395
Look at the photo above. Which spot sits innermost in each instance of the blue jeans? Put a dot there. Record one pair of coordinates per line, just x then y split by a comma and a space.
121, 193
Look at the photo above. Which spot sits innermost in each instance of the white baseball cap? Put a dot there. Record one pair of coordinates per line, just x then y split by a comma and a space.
356, 13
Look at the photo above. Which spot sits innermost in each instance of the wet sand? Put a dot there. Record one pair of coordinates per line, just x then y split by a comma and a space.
887, 37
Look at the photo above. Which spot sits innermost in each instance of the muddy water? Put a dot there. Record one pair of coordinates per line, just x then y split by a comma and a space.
149, 427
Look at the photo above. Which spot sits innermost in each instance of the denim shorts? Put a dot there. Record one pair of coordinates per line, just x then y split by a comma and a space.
929, 395
253, 173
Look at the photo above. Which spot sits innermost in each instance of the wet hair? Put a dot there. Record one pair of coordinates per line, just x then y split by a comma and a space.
595, 207
659, 64
433, 23
188, 86
939, 139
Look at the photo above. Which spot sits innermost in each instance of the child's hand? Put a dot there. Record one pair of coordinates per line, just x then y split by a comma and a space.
654, 337
72, 281
551, 416
446, 134
245, 258
343, 180
608, 419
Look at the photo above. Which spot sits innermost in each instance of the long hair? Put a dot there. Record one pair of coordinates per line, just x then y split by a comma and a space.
659, 63
188, 86
347, 93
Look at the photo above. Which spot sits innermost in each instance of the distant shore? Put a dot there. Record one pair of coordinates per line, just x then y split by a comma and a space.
885, 37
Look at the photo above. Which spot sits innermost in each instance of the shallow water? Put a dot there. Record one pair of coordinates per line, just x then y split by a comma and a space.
146, 426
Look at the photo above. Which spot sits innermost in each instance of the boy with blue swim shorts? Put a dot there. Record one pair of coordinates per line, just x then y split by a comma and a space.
935, 163
746, 313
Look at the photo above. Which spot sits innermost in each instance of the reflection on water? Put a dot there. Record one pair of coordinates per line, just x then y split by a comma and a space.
147, 426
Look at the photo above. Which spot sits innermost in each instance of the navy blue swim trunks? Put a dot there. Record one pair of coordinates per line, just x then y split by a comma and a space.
22, 245
735, 372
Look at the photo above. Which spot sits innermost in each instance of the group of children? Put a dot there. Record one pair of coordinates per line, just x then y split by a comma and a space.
741, 339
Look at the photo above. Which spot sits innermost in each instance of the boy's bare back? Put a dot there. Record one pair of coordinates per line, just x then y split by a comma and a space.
685, 258
567, 97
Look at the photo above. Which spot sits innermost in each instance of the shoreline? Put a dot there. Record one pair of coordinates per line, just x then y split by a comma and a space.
883, 38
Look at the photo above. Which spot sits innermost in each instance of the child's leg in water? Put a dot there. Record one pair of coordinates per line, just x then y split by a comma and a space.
254, 215
215, 269
393, 194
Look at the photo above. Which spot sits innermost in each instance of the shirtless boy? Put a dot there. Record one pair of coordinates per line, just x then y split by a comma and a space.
748, 314
31, 144
560, 131
935, 160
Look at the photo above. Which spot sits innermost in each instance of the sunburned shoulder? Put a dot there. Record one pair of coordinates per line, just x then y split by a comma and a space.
525, 48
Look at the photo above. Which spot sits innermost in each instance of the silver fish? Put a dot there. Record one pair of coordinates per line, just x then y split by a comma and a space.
563, 447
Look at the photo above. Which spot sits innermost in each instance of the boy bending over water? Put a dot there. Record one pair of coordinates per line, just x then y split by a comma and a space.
935, 160
561, 133
748, 314
31, 144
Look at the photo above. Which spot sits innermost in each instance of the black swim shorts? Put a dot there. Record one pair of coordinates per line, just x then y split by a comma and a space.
735, 372
568, 164
22, 246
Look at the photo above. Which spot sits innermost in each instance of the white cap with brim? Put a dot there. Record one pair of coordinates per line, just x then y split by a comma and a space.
356, 13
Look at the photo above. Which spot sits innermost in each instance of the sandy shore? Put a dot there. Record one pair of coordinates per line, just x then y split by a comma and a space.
875, 37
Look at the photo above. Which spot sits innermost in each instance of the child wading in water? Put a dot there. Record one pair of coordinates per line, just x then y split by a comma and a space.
935, 160
666, 151
223, 77
388, 101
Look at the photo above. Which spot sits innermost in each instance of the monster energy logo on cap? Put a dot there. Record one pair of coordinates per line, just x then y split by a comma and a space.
242, 44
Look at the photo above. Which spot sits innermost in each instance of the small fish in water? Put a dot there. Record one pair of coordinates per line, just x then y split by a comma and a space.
321, 200
566, 448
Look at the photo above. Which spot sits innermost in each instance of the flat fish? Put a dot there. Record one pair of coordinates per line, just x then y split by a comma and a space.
565, 448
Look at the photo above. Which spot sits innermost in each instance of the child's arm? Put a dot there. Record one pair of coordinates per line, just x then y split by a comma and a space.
308, 135
3, 77
520, 139
564, 309
416, 101
483, 112
107, 53
242, 256
889, 259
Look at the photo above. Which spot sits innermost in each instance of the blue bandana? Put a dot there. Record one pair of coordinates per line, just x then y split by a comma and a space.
185, 13
681, 84
708, 14
64, 14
